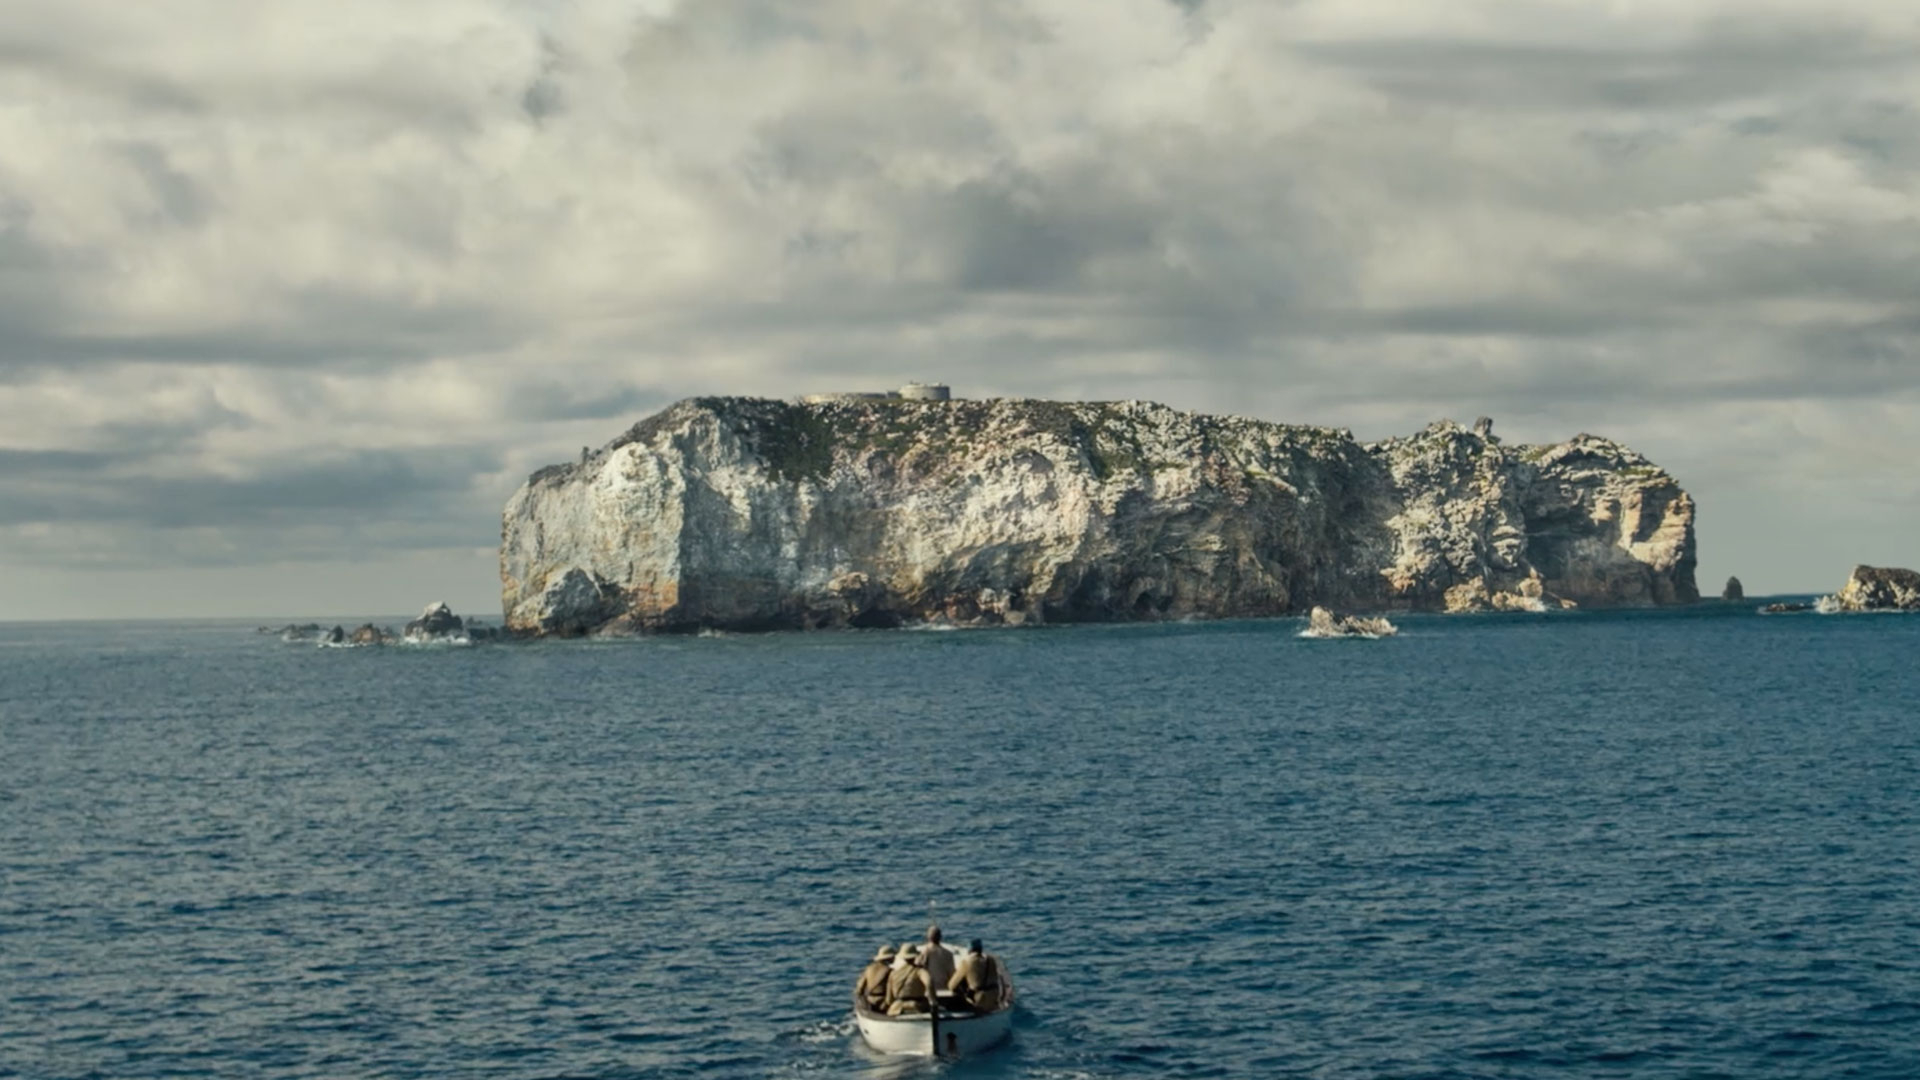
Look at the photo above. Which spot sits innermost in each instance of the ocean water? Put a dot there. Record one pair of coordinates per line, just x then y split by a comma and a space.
1656, 844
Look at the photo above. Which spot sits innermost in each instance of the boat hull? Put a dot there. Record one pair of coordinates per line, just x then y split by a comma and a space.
960, 1034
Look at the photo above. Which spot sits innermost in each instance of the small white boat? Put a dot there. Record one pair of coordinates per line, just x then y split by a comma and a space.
947, 1033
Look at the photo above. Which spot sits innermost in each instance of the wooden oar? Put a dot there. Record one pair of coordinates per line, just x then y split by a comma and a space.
933, 1006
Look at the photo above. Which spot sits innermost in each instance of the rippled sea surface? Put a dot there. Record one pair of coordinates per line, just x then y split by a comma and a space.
1676, 844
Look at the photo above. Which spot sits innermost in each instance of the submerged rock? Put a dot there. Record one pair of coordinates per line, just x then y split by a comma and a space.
1785, 608
1733, 592
1322, 623
748, 514
335, 636
1876, 588
369, 634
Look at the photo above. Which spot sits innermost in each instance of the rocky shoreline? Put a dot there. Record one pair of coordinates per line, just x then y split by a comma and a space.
1868, 589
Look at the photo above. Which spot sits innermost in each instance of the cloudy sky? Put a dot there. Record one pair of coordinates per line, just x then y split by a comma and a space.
293, 295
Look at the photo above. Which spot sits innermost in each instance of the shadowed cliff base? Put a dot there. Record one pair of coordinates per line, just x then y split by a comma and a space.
753, 514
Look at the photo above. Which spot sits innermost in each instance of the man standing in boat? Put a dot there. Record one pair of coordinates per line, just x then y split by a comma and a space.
938, 960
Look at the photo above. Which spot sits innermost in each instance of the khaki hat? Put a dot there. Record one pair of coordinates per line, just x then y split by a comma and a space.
909, 949
885, 953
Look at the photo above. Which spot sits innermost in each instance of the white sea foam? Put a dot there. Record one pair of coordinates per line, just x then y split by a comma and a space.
823, 1031
1827, 605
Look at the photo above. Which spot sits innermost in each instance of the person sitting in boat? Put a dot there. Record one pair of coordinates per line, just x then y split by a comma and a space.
937, 959
977, 979
907, 988
871, 990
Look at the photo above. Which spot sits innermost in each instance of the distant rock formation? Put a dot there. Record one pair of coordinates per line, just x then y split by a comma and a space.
1785, 608
436, 623
1733, 591
1876, 588
1322, 623
750, 514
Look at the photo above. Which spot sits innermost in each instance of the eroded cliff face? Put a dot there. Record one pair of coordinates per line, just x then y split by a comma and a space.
743, 513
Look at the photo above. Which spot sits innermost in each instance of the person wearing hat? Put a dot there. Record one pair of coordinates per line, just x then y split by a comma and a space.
871, 990
977, 979
937, 959
907, 988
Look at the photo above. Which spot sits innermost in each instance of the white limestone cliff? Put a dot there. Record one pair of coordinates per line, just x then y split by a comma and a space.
744, 513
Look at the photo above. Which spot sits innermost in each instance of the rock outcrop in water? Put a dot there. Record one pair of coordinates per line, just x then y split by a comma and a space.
1322, 623
1734, 592
436, 623
743, 513
1876, 588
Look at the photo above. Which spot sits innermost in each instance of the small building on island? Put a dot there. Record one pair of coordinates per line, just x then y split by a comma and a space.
913, 391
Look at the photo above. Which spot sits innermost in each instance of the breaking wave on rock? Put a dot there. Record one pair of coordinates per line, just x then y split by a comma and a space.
1310, 632
1322, 623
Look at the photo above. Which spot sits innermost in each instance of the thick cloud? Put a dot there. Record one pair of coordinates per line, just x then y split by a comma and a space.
316, 286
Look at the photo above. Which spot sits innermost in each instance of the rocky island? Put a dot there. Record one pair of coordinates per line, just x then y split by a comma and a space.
1876, 588
753, 514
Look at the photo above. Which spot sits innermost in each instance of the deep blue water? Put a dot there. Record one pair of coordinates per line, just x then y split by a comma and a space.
1676, 844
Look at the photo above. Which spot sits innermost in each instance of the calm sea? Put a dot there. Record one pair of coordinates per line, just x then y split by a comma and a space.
1663, 844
